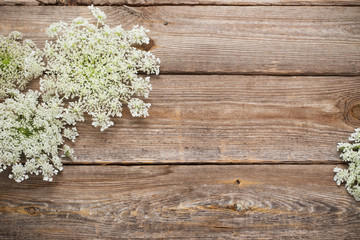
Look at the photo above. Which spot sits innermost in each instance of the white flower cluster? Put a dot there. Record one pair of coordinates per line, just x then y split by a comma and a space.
19, 63
97, 68
32, 134
94, 67
351, 155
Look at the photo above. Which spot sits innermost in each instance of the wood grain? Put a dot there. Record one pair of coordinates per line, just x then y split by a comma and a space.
230, 119
203, 121
35, 2
227, 202
184, 2
219, 2
225, 40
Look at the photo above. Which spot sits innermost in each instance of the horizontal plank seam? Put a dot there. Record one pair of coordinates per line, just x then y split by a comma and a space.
262, 74
217, 4
214, 4
203, 163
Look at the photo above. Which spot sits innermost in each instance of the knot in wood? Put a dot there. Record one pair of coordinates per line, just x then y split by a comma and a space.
31, 210
352, 112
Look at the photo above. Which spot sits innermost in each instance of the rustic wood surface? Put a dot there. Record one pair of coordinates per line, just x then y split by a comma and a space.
241, 138
184, 2
218, 2
230, 119
238, 202
223, 39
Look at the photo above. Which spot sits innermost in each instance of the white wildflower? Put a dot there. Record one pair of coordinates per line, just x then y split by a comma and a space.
355, 137
350, 153
98, 14
138, 108
138, 35
19, 63
55, 28
31, 135
71, 133
80, 22
68, 152
97, 68
15, 35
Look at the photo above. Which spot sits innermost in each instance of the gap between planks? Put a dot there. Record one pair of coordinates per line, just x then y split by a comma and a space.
141, 3
288, 74
175, 163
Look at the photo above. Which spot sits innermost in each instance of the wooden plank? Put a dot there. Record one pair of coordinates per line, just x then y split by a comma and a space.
19, 2
225, 40
34, 2
219, 2
230, 119
185, 2
227, 202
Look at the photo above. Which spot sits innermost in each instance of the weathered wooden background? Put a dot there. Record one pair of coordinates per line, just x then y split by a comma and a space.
241, 140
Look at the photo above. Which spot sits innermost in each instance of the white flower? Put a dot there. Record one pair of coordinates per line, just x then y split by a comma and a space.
98, 14
138, 108
15, 35
55, 28
71, 133
355, 137
31, 135
19, 63
80, 22
97, 69
351, 176
138, 35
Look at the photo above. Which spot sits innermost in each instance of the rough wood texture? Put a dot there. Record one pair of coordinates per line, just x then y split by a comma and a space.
225, 40
197, 119
35, 2
222, 119
183, 2
238, 202
217, 2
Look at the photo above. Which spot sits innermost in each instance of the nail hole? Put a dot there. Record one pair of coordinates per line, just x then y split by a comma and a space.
31, 210
166, 23
238, 181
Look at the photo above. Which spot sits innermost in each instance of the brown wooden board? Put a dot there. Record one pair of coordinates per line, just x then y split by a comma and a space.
219, 2
225, 39
184, 2
227, 202
230, 119
239, 116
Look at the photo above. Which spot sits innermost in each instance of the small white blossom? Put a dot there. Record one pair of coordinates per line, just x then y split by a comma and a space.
19, 63
355, 137
80, 22
55, 28
15, 35
71, 133
350, 153
31, 135
68, 152
97, 67
138, 108
138, 35
98, 14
